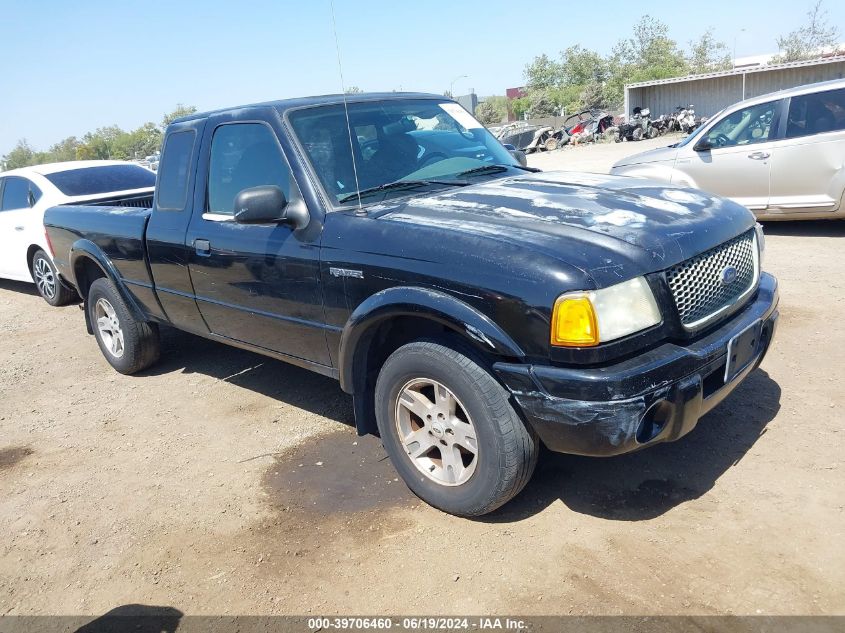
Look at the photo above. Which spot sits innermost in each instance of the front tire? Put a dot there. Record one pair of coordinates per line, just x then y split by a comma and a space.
128, 344
451, 431
47, 281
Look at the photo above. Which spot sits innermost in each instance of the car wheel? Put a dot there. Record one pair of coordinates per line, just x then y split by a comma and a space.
128, 344
47, 281
450, 430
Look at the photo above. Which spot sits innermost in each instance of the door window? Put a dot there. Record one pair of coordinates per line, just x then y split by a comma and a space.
243, 155
749, 125
19, 193
816, 113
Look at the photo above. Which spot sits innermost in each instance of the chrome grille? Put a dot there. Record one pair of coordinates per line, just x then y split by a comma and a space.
699, 288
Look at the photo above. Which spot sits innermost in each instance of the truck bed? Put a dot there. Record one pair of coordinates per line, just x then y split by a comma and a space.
118, 231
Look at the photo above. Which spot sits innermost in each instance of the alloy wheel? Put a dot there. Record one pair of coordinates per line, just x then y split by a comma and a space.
44, 278
436, 432
109, 328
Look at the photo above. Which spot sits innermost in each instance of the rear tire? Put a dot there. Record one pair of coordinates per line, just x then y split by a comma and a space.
450, 430
47, 281
128, 344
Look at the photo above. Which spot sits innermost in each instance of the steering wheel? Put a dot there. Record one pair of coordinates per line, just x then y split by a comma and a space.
722, 140
431, 158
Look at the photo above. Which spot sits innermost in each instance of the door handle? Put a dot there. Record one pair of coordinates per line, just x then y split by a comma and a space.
202, 247
759, 155
19, 228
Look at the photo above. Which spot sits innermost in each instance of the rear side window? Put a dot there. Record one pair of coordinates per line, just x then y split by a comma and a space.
816, 113
90, 181
18, 193
174, 171
243, 155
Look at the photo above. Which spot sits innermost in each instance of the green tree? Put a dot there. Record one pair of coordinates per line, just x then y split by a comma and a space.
707, 54
492, 111
180, 111
64, 150
807, 42
22, 155
519, 107
544, 73
649, 54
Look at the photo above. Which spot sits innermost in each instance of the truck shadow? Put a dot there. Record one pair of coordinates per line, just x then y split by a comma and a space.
806, 228
275, 379
646, 484
632, 487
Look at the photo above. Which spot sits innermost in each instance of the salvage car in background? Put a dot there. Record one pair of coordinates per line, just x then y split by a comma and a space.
27, 192
782, 155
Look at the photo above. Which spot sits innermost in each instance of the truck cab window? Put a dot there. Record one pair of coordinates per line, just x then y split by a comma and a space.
243, 155
174, 171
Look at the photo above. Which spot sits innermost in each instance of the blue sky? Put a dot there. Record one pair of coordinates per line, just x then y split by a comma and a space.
71, 66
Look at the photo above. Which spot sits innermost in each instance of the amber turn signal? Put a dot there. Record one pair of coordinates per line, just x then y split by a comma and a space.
574, 322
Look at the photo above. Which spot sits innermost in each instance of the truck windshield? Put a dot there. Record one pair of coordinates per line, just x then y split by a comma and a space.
89, 181
426, 141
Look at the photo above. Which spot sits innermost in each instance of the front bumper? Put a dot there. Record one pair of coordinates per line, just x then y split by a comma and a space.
655, 397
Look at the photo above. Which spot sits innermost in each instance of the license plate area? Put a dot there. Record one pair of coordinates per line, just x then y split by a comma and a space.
743, 349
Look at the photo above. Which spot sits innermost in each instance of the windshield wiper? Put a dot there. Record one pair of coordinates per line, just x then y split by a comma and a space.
399, 185
484, 169
495, 169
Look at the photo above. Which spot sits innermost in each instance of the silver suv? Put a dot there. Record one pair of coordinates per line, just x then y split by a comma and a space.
782, 155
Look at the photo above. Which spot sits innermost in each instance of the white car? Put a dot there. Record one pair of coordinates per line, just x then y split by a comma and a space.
782, 155
25, 194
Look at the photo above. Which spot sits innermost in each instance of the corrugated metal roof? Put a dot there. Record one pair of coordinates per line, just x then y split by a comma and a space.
738, 71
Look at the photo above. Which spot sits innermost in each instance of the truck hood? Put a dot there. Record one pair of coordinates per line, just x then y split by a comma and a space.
658, 155
612, 228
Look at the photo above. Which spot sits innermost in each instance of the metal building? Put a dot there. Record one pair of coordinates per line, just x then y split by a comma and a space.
711, 92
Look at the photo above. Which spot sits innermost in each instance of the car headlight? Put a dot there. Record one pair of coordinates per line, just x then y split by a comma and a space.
761, 242
585, 319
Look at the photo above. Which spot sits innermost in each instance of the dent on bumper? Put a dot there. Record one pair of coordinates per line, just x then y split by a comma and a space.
656, 397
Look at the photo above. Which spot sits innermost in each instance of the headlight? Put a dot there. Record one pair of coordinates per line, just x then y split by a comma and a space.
585, 319
761, 242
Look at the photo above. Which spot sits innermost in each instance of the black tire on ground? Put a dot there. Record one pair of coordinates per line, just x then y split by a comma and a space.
132, 345
47, 281
506, 449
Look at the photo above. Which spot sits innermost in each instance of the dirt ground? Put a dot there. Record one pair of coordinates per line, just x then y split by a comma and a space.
222, 482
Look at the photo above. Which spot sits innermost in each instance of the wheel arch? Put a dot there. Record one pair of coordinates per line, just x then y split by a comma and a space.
30, 255
395, 316
87, 264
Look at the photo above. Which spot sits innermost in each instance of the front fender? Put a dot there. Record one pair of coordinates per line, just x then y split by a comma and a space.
421, 302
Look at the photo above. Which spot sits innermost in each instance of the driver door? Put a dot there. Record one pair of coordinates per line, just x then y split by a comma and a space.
258, 283
738, 163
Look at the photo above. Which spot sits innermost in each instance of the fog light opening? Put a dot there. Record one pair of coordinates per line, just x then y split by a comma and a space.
654, 421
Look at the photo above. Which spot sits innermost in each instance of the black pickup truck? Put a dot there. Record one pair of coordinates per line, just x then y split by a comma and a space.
473, 307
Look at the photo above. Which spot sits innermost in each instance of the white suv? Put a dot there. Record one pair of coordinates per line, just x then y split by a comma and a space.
782, 155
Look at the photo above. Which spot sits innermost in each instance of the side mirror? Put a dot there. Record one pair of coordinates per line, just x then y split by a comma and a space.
267, 205
519, 155
704, 145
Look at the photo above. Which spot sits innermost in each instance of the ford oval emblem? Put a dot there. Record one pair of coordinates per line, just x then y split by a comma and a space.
728, 275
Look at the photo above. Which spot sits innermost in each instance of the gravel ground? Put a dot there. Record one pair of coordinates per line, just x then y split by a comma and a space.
221, 482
